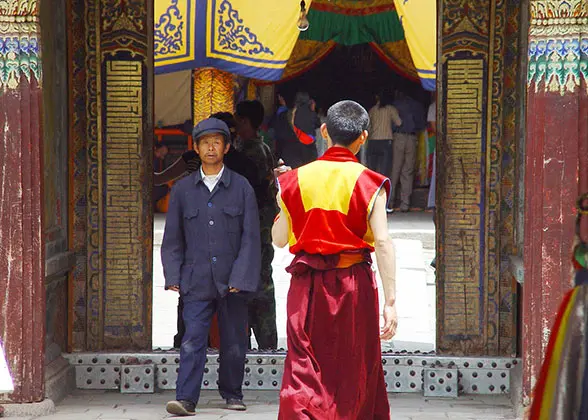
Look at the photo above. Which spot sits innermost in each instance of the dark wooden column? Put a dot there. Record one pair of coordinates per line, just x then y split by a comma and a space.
556, 137
22, 260
478, 99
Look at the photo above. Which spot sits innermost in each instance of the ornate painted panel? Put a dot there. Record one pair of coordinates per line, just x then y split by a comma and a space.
475, 294
111, 102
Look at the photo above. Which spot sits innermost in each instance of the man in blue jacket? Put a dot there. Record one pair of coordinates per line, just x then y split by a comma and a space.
211, 254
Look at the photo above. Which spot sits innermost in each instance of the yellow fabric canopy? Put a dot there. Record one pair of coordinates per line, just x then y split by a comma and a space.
255, 39
419, 20
232, 35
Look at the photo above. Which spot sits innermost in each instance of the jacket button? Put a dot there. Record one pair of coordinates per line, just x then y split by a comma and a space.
213, 259
209, 204
211, 223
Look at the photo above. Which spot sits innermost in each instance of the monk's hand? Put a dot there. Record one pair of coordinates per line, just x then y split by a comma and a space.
174, 288
390, 322
233, 290
281, 169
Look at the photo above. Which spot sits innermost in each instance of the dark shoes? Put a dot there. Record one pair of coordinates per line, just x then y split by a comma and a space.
188, 408
181, 408
234, 404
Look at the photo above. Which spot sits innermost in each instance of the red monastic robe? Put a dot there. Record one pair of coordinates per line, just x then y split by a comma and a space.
333, 368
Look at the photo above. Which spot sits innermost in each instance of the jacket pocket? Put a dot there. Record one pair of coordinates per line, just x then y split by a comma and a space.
191, 221
233, 217
191, 214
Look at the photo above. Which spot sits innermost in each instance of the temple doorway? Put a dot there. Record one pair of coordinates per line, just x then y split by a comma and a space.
347, 72
480, 118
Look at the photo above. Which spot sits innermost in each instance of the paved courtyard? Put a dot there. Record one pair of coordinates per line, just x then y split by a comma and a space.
90, 405
414, 236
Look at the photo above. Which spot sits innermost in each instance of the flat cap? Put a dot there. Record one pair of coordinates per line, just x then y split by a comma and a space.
211, 126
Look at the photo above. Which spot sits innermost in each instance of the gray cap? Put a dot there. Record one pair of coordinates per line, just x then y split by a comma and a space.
211, 126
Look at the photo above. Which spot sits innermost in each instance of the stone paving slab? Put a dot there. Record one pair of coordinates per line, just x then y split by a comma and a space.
263, 405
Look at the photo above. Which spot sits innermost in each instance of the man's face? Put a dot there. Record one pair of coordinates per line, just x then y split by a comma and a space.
211, 148
244, 128
161, 153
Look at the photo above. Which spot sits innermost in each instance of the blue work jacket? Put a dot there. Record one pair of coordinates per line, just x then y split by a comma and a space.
212, 239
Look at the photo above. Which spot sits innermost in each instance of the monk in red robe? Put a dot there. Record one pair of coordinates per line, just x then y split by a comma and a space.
333, 216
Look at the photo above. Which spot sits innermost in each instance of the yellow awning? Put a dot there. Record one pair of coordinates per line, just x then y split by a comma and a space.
250, 38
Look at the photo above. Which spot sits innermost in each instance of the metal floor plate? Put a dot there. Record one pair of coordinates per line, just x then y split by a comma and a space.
404, 372
440, 382
138, 379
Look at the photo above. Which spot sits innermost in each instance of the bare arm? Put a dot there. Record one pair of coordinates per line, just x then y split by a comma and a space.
386, 258
281, 228
176, 170
396, 117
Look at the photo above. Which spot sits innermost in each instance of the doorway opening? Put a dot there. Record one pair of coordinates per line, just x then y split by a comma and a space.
347, 72
172, 138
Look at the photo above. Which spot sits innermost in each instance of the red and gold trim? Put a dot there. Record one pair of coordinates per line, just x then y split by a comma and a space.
354, 8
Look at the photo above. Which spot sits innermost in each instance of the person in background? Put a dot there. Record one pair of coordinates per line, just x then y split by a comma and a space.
383, 116
190, 161
412, 115
333, 368
294, 131
321, 142
262, 308
211, 256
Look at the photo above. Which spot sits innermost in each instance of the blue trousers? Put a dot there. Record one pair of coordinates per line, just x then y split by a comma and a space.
232, 318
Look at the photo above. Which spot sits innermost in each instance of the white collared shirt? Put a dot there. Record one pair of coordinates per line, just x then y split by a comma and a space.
211, 180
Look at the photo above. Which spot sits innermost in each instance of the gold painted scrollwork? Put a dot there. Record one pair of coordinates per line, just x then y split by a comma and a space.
123, 15
19, 7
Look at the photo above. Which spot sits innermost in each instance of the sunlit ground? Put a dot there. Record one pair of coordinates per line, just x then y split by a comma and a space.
414, 236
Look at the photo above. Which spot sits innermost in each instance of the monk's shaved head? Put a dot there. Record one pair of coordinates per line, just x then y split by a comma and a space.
346, 121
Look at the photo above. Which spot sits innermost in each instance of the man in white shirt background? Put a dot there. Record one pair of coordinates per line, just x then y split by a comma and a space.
383, 116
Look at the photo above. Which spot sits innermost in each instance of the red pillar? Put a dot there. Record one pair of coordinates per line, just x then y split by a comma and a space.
556, 143
22, 289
